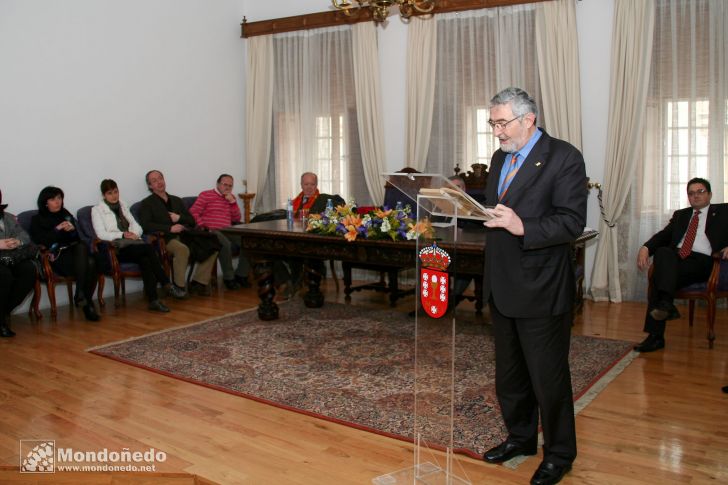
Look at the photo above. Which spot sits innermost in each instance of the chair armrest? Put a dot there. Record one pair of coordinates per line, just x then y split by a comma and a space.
714, 273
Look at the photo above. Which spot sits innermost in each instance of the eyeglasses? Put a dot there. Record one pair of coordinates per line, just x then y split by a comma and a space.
693, 193
500, 124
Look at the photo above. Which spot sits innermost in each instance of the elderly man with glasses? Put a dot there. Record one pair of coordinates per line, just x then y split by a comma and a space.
682, 255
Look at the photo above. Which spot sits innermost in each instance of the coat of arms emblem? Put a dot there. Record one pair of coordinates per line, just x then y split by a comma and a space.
434, 280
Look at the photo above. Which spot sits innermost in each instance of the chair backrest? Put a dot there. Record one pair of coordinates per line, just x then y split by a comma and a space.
188, 201
723, 277
135, 210
85, 224
24, 219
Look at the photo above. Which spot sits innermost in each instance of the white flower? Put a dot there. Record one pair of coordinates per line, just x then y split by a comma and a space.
385, 225
411, 235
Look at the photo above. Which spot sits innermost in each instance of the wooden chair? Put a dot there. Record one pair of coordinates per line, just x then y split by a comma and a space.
33, 310
113, 268
715, 288
710, 291
51, 278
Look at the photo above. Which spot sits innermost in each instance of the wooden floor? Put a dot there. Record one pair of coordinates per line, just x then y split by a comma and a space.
663, 420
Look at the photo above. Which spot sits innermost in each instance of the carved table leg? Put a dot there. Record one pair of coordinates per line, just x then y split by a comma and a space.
313, 273
347, 281
267, 309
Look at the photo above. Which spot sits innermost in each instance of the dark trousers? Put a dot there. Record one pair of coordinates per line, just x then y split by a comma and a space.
532, 376
152, 271
76, 261
15, 284
669, 274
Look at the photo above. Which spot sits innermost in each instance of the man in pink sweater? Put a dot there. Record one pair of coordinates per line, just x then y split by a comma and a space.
215, 209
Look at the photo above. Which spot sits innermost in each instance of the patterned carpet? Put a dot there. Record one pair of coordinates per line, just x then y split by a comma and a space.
354, 366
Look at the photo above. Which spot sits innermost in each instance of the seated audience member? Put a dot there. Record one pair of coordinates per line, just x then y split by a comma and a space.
681, 256
216, 209
310, 198
55, 228
18, 279
113, 222
315, 202
167, 214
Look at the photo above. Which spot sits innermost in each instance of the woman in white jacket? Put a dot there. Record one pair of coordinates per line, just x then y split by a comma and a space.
113, 222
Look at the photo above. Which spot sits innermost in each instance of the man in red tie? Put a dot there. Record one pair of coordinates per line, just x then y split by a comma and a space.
682, 255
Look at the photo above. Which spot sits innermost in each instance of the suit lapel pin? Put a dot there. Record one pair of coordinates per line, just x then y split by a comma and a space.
538, 164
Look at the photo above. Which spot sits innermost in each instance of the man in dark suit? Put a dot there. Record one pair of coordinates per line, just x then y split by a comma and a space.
682, 255
165, 213
538, 186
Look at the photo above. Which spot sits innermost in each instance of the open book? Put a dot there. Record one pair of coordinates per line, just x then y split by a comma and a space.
447, 200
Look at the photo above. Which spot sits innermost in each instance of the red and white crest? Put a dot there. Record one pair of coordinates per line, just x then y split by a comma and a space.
434, 281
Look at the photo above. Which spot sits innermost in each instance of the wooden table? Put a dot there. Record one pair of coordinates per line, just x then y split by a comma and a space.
267, 241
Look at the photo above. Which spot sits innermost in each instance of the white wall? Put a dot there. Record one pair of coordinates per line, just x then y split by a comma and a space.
91, 89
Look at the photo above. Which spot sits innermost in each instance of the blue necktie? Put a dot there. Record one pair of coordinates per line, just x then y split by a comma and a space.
512, 170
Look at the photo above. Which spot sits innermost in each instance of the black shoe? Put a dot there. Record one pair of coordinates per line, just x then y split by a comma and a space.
158, 306
90, 313
176, 292
5, 330
664, 311
507, 450
242, 281
231, 284
199, 289
549, 473
651, 343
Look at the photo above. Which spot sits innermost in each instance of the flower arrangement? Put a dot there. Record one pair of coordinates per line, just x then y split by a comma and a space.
385, 223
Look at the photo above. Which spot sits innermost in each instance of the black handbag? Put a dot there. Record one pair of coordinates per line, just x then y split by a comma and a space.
11, 257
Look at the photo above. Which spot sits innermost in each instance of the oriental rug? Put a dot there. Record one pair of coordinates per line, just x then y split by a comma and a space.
351, 365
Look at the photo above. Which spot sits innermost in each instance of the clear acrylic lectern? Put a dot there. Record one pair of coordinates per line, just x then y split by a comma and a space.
434, 198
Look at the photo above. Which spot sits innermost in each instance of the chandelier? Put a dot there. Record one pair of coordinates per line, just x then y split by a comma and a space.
380, 8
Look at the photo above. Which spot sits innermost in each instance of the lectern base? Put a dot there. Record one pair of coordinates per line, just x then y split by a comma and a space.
423, 474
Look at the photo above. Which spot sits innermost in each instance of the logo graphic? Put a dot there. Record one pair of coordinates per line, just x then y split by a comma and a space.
37, 456
434, 281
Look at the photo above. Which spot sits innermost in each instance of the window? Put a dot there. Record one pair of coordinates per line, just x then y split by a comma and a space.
314, 117
473, 63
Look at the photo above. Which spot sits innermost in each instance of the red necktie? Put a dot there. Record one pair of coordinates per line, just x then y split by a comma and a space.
512, 170
687, 245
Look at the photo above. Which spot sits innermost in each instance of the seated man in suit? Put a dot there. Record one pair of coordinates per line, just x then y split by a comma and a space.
682, 256
165, 213
315, 202
215, 209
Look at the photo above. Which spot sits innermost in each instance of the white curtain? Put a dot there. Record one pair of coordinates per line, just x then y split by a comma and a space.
314, 117
479, 52
368, 101
631, 58
421, 61
558, 66
259, 100
686, 126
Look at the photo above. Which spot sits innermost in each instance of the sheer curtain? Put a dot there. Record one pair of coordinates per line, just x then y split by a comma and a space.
479, 52
632, 42
259, 99
314, 117
686, 126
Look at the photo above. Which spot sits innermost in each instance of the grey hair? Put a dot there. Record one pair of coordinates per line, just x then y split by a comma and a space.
521, 103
